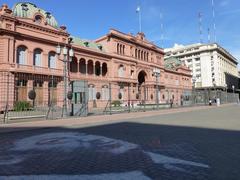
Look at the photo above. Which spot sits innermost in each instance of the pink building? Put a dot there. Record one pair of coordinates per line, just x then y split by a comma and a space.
28, 40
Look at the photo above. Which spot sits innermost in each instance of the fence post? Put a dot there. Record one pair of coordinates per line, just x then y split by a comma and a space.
144, 103
110, 98
129, 104
5, 119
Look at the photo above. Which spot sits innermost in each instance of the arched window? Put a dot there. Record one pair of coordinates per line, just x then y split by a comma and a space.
121, 71
123, 50
52, 60
105, 93
139, 54
82, 66
37, 57
121, 91
104, 69
118, 48
144, 56
38, 19
91, 92
21, 55
97, 68
135, 53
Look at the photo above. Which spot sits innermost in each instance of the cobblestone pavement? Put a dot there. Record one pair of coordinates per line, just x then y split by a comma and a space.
201, 144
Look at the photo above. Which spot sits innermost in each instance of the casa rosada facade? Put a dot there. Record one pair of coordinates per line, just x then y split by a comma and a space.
28, 40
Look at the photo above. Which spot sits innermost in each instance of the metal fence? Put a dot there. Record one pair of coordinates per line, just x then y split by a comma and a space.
203, 96
27, 96
123, 97
35, 97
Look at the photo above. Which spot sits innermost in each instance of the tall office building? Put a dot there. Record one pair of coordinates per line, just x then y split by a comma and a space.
211, 64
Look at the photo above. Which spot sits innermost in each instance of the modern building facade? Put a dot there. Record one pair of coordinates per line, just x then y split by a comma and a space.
211, 65
28, 39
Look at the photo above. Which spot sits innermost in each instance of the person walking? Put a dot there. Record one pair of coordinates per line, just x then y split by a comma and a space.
171, 103
210, 102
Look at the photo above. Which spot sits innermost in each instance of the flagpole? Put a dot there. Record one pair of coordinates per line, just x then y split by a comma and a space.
140, 20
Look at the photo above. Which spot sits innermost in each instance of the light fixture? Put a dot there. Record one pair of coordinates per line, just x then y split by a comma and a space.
65, 50
58, 50
71, 52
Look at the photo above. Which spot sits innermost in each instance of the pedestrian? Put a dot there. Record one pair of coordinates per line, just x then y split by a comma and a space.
210, 102
171, 103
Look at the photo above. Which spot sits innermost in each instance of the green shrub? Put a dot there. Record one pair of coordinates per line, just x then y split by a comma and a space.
116, 103
22, 106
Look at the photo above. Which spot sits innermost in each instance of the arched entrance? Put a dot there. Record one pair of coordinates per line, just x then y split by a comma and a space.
142, 75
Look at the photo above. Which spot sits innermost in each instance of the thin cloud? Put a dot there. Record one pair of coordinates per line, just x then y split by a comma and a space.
230, 12
224, 3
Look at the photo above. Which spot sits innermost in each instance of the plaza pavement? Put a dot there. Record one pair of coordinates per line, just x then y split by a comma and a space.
178, 144
91, 120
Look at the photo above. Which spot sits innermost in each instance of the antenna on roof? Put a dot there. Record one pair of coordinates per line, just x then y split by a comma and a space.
200, 26
162, 33
209, 36
214, 21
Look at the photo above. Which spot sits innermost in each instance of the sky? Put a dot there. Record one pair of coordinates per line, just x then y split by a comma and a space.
91, 19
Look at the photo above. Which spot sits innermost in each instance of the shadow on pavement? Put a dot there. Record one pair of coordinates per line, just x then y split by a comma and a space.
158, 151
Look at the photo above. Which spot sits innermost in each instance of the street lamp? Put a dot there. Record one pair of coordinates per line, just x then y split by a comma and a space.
65, 51
193, 89
226, 86
233, 87
214, 85
156, 73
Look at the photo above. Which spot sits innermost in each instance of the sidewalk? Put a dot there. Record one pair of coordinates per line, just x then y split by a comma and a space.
93, 120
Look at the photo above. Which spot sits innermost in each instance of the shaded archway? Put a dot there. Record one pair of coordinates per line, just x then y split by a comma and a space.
97, 68
141, 77
82, 66
73, 65
104, 69
90, 67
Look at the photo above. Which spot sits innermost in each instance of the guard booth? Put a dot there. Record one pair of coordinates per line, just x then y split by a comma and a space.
79, 103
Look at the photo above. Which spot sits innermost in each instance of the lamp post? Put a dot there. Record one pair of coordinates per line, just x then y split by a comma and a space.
65, 51
193, 89
226, 92
233, 87
215, 92
156, 73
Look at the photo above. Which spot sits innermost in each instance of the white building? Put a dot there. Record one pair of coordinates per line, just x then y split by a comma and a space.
209, 63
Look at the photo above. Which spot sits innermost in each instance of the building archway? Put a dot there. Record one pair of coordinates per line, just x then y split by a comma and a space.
74, 65
104, 69
82, 66
142, 77
97, 68
90, 67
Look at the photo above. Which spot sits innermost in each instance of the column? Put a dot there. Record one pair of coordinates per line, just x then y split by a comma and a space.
94, 70
100, 70
86, 68
78, 65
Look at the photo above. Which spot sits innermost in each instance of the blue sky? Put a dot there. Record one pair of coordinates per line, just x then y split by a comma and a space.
91, 19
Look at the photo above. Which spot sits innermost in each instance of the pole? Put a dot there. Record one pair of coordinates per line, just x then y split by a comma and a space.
226, 95
7, 103
162, 37
233, 95
157, 89
52, 97
144, 88
64, 114
110, 98
140, 20
214, 23
129, 104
